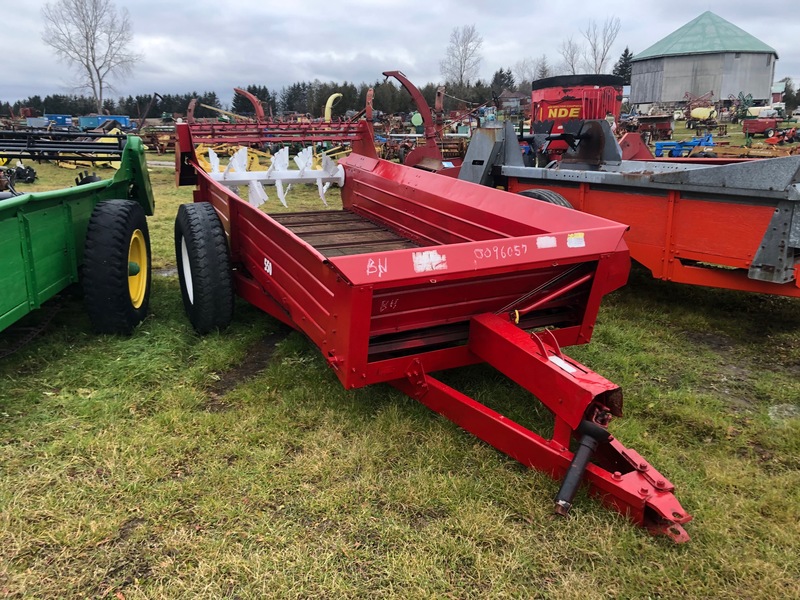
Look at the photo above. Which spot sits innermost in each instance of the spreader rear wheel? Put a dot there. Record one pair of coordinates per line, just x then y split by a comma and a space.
116, 266
547, 196
204, 267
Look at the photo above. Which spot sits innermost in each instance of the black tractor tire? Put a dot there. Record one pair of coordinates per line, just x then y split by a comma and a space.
547, 196
25, 174
204, 267
769, 133
116, 269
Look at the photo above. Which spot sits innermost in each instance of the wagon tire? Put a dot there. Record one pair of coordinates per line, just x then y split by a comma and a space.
85, 178
204, 267
547, 196
116, 269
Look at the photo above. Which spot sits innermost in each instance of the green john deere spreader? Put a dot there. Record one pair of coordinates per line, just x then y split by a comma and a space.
94, 233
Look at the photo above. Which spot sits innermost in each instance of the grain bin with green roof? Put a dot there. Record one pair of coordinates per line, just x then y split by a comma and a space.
707, 54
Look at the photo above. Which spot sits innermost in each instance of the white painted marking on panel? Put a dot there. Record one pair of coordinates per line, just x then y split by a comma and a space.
377, 268
429, 260
546, 241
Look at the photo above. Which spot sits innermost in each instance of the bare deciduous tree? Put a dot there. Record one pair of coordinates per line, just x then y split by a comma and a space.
530, 69
93, 38
599, 44
525, 70
463, 57
570, 53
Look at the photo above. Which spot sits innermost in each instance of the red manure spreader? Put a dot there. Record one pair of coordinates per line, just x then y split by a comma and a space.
419, 273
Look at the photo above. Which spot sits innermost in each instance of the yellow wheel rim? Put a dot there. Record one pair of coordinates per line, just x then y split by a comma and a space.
137, 269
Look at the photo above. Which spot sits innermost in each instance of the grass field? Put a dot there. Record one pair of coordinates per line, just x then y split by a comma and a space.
166, 465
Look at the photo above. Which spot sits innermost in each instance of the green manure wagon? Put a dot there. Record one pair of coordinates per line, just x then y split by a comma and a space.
94, 233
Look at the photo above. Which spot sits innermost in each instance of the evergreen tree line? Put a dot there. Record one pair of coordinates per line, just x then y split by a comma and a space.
388, 97
305, 97
132, 106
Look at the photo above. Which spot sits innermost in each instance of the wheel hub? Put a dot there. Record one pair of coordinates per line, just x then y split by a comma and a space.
137, 268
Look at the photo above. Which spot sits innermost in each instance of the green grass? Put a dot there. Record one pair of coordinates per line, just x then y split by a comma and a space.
167, 465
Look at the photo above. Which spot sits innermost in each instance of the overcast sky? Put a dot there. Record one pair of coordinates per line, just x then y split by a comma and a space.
216, 45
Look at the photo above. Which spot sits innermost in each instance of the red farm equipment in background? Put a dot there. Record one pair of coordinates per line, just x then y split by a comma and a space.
668, 203
571, 97
555, 101
730, 226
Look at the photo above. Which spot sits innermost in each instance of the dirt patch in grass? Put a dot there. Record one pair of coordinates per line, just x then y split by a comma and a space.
256, 360
127, 528
128, 567
784, 412
734, 385
713, 340
769, 461
732, 379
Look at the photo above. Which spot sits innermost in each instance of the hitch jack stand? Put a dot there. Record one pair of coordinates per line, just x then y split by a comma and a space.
591, 435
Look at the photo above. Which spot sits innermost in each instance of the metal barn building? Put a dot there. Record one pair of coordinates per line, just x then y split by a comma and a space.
707, 54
